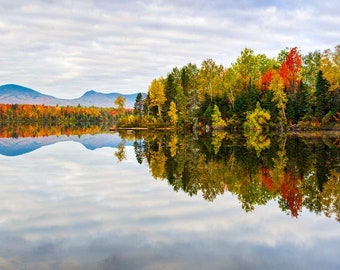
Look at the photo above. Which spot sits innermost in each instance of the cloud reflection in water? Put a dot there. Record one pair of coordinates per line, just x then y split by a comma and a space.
65, 207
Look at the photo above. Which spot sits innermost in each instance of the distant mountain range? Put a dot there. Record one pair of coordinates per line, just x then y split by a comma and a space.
20, 146
16, 94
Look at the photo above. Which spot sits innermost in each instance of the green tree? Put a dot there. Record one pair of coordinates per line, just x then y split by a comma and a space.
297, 104
188, 102
330, 66
139, 104
172, 85
322, 86
309, 73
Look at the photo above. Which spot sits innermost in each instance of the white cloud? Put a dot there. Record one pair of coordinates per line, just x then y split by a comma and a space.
64, 48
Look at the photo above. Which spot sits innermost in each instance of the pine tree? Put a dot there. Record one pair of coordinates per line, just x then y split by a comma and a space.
322, 86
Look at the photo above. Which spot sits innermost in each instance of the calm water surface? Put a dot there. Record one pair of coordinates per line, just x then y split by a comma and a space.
67, 202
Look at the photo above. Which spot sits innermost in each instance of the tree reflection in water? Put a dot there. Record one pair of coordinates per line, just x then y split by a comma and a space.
295, 170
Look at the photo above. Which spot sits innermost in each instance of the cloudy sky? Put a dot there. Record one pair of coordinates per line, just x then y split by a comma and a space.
64, 47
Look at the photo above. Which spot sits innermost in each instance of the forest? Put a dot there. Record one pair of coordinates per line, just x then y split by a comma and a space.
289, 91
291, 170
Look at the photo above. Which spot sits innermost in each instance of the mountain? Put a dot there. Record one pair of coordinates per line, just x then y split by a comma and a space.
20, 146
91, 98
16, 94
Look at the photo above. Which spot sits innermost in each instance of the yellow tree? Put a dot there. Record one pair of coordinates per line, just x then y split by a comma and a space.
279, 96
330, 66
229, 82
120, 103
209, 80
120, 153
331, 196
172, 144
157, 94
257, 120
172, 113
216, 139
157, 163
217, 121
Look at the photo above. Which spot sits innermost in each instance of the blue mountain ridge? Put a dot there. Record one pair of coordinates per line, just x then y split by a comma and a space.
20, 146
16, 94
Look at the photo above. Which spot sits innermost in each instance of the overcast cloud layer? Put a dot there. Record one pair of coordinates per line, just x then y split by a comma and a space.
64, 48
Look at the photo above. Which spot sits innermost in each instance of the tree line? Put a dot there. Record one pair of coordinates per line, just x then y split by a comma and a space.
290, 90
54, 115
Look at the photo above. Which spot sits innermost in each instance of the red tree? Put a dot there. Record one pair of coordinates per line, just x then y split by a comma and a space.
290, 69
267, 179
291, 194
266, 79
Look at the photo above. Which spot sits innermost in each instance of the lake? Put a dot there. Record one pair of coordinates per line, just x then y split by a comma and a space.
169, 201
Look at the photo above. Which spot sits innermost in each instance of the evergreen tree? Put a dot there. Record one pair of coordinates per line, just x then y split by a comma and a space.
138, 106
171, 85
188, 99
322, 86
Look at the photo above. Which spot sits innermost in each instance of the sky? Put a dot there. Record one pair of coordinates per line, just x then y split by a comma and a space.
65, 48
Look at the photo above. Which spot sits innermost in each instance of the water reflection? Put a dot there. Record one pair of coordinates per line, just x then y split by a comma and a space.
21, 130
20, 139
297, 170
72, 204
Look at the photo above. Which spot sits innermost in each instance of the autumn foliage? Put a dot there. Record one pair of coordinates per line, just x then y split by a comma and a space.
290, 69
25, 113
285, 87
266, 80
267, 179
38, 130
